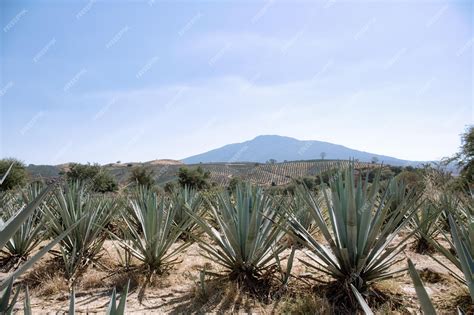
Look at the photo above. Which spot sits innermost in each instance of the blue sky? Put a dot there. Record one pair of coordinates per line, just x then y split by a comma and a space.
102, 81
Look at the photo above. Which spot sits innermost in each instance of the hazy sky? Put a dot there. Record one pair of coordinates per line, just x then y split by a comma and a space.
102, 81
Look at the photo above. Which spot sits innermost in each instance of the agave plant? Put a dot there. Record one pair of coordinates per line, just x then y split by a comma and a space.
461, 224
186, 200
85, 241
249, 233
7, 230
151, 230
30, 232
426, 226
362, 223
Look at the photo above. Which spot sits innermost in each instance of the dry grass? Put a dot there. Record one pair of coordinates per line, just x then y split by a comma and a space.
304, 303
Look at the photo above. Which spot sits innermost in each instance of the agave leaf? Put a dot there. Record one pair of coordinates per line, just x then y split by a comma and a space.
361, 301
27, 304
425, 301
113, 303
6, 296
6, 174
72, 302
6, 305
123, 300
120, 310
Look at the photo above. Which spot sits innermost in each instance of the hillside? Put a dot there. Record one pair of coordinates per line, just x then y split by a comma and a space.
221, 173
264, 148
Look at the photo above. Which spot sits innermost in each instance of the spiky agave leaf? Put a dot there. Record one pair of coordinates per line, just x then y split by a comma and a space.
359, 230
4, 176
26, 303
85, 241
360, 299
72, 302
113, 309
425, 301
6, 301
249, 232
152, 230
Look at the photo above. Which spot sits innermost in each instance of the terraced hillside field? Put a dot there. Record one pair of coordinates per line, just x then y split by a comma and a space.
221, 173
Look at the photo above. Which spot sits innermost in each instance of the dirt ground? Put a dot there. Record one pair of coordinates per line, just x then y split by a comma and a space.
179, 292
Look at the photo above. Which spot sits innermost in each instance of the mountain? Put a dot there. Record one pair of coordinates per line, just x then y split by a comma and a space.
264, 148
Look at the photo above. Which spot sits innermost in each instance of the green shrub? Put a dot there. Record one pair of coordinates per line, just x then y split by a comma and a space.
99, 179
141, 176
17, 177
195, 178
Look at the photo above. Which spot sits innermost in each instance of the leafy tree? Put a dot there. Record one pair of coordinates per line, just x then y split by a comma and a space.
194, 178
141, 176
99, 178
18, 175
374, 160
271, 161
465, 157
323, 155
104, 182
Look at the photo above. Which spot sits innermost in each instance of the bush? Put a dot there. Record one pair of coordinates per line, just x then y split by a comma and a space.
194, 178
141, 176
100, 179
18, 175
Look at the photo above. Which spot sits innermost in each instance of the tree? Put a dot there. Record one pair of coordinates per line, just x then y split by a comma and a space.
195, 178
18, 175
464, 159
374, 160
98, 177
141, 176
271, 161
323, 155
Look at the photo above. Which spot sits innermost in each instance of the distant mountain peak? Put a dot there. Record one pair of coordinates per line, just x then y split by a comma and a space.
281, 148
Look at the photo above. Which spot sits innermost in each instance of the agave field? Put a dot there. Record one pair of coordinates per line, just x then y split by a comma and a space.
221, 173
351, 245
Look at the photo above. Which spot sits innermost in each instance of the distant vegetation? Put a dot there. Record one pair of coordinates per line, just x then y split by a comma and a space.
142, 176
464, 159
18, 176
93, 174
194, 178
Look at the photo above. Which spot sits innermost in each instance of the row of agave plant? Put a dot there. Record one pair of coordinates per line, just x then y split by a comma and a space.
249, 230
